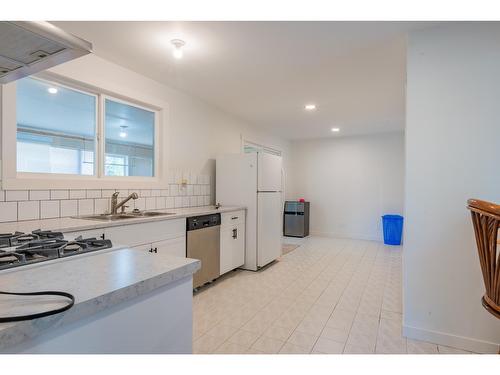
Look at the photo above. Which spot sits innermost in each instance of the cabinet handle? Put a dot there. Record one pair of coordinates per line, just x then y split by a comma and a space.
156, 250
150, 250
234, 217
235, 233
102, 236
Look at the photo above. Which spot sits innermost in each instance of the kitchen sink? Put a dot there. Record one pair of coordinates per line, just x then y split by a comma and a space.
124, 216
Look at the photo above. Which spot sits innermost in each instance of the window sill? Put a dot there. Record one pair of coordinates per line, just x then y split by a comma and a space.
23, 182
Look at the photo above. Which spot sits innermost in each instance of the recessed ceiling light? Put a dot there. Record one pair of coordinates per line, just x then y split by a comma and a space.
52, 90
310, 107
123, 133
178, 44
335, 130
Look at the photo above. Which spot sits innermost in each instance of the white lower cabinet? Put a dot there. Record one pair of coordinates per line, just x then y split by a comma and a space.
175, 247
166, 237
232, 242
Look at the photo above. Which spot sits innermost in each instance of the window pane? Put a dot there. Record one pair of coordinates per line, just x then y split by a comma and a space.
129, 140
55, 129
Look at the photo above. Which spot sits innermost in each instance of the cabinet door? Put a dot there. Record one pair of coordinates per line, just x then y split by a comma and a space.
145, 247
238, 245
232, 247
142, 233
226, 248
175, 247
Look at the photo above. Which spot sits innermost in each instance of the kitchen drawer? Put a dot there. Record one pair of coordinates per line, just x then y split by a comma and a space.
144, 233
174, 247
232, 218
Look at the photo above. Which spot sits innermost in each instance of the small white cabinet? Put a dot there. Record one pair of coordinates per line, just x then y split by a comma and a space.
232, 241
165, 237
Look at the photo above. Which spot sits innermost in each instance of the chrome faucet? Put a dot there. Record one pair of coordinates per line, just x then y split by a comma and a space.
115, 205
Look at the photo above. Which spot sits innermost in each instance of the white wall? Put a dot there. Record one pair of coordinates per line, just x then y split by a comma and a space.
452, 154
197, 131
350, 182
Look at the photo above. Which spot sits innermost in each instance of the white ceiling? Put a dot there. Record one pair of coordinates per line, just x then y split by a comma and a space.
265, 72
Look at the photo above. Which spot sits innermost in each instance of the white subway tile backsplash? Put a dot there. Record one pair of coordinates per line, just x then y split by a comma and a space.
39, 195
49, 209
170, 202
94, 193
28, 210
101, 206
8, 211
160, 202
200, 200
183, 190
77, 194
140, 203
69, 207
34, 204
145, 193
193, 201
178, 177
107, 193
193, 178
177, 202
150, 203
171, 177
16, 195
85, 207
59, 194
174, 190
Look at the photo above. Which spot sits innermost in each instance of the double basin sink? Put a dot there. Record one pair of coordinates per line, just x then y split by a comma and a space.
124, 216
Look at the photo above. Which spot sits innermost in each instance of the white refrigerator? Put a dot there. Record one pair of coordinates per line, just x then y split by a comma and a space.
254, 180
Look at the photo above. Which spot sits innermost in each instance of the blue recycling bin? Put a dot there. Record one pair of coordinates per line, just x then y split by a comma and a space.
393, 229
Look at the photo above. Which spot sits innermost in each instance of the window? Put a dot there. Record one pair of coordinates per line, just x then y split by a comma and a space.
59, 132
129, 146
56, 129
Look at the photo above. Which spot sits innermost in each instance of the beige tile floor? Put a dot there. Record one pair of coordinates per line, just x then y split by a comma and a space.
329, 296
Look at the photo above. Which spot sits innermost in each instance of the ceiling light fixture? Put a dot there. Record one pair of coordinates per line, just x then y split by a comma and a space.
310, 107
335, 130
52, 90
123, 133
178, 44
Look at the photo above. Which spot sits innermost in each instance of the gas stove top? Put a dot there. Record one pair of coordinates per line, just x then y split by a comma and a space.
18, 238
19, 249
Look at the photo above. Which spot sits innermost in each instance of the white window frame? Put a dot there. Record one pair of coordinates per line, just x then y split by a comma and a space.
11, 179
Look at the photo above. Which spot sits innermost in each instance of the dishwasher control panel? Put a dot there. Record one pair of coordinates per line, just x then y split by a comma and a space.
200, 222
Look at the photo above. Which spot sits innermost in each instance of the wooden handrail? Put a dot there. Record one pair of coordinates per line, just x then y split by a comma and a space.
485, 207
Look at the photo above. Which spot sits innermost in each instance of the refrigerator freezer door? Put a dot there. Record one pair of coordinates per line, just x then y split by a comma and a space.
269, 173
269, 227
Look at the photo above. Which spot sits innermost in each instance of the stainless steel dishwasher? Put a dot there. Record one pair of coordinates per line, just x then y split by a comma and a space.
203, 243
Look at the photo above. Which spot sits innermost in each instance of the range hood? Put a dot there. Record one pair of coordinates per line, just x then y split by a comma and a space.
28, 47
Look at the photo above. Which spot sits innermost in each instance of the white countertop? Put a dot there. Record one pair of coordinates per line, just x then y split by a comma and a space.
68, 224
97, 281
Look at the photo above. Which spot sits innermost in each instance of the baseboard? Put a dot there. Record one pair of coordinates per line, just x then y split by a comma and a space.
460, 342
346, 236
